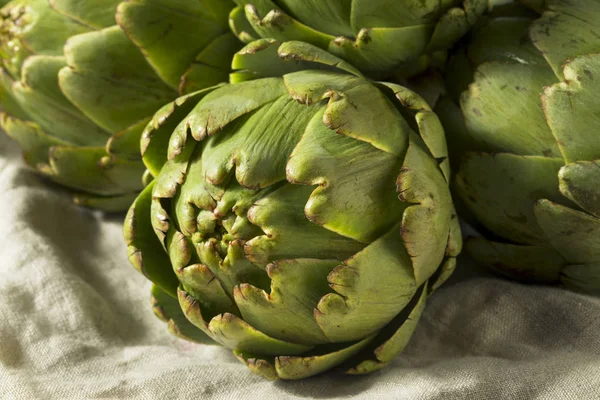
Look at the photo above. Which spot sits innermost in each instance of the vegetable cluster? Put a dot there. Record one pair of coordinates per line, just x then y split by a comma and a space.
289, 196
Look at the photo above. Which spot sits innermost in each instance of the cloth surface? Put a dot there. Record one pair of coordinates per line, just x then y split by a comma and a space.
76, 323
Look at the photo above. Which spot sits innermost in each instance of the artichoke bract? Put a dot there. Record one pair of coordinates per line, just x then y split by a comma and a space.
526, 133
300, 216
376, 36
81, 79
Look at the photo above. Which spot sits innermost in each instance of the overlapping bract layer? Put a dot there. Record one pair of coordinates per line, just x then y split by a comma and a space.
81, 79
376, 36
301, 218
529, 162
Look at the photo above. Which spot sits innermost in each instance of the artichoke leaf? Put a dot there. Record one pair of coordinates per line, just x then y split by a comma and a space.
459, 139
167, 309
165, 189
225, 104
286, 312
369, 13
302, 367
289, 234
193, 196
269, 57
500, 190
258, 366
582, 278
255, 148
10, 105
505, 40
443, 274
432, 133
157, 134
429, 125
269, 21
33, 140
455, 237
211, 65
330, 17
173, 174
233, 332
199, 282
299, 367
234, 269
144, 249
388, 348
370, 50
579, 183
109, 204
170, 34
297, 50
495, 125
572, 111
240, 26
428, 221
109, 80
572, 233
362, 209
530, 263
39, 95
349, 99
95, 14
567, 28
260, 59
126, 143
451, 26
363, 302
89, 169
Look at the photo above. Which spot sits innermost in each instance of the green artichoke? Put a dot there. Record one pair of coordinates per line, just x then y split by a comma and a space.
81, 79
526, 137
300, 216
376, 36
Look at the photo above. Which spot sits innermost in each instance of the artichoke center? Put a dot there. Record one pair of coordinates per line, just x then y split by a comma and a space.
226, 223
14, 21
218, 230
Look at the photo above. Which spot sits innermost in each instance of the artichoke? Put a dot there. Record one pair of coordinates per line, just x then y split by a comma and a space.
525, 135
300, 216
81, 79
376, 36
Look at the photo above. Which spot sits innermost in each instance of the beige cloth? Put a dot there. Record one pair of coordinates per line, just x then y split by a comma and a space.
76, 323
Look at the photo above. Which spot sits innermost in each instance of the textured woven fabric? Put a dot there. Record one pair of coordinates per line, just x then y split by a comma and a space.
76, 323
